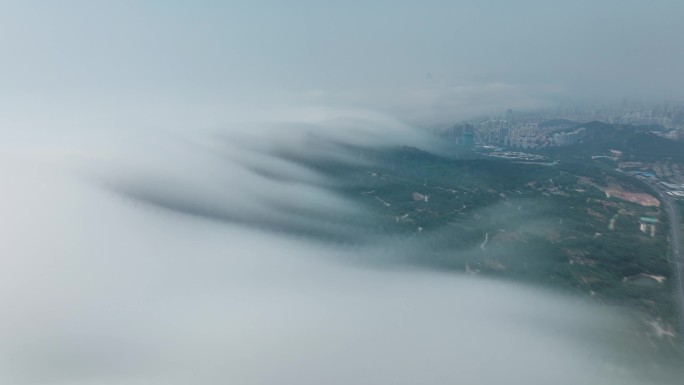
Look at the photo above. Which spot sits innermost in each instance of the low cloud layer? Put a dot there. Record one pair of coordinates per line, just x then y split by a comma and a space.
158, 226
105, 285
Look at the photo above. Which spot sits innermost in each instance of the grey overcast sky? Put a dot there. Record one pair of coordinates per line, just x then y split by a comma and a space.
381, 53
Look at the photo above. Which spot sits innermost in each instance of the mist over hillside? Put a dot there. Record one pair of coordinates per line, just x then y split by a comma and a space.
160, 259
250, 193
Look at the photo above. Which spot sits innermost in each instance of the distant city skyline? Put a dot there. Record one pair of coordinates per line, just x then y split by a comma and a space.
525, 131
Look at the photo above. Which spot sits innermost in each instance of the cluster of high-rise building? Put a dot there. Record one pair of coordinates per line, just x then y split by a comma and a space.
508, 133
527, 131
669, 114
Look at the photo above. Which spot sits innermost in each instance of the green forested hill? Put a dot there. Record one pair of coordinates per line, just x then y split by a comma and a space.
548, 225
636, 142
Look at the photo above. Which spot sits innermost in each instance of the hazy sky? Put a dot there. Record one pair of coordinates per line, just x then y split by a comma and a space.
393, 55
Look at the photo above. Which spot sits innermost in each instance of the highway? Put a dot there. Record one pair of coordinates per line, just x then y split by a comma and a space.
677, 257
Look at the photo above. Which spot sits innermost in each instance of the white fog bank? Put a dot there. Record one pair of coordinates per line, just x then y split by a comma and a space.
100, 288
